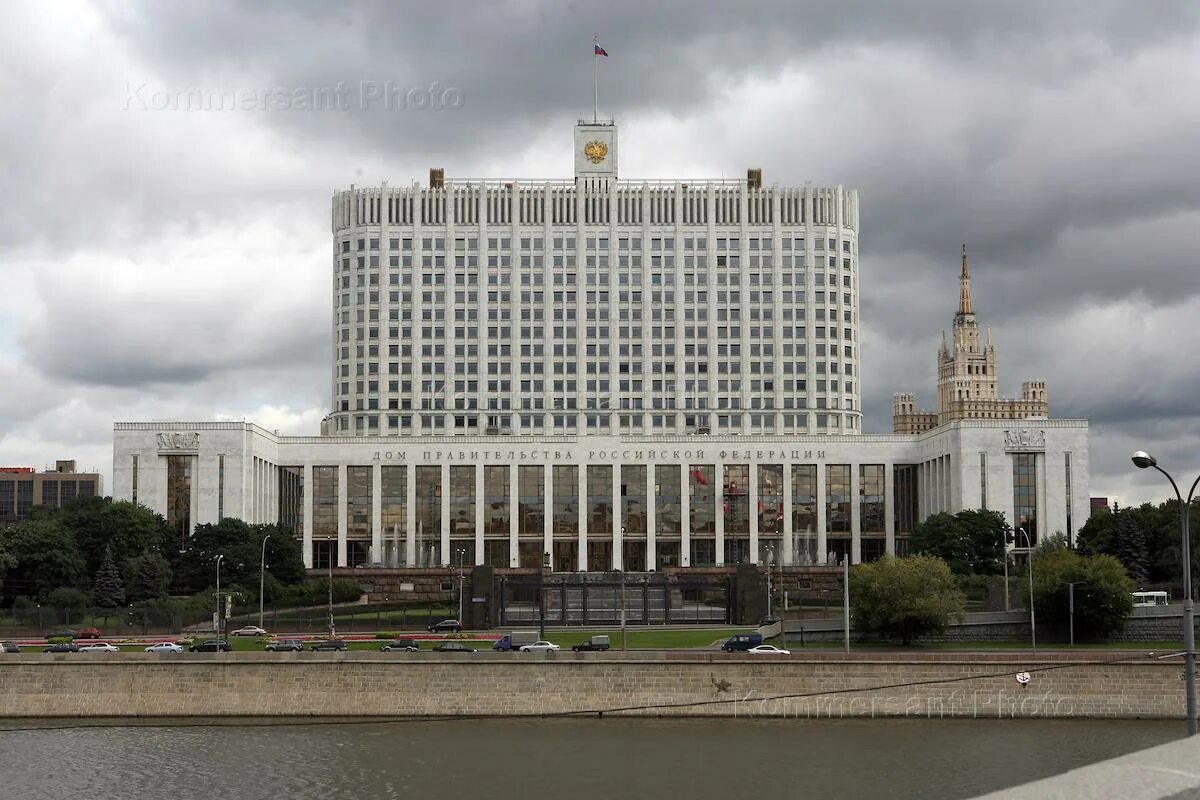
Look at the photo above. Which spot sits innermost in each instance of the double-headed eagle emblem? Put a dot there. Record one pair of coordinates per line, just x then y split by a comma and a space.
595, 151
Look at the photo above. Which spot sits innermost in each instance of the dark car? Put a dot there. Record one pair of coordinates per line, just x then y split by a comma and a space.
452, 647
212, 646
446, 626
9, 647
62, 647
285, 645
740, 643
88, 633
62, 634
329, 645
401, 645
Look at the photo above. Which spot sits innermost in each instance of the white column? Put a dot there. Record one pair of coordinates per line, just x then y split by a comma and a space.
618, 520
719, 506
514, 509
341, 515
479, 517
822, 540
855, 515
582, 480
651, 541
889, 508
787, 556
754, 513
377, 512
410, 515
685, 516
307, 516
548, 516
445, 502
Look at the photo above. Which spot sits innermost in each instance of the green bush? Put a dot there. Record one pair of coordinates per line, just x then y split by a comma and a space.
904, 597
1103, 597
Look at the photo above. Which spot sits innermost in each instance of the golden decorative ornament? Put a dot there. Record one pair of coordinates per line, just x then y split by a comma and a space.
595, 151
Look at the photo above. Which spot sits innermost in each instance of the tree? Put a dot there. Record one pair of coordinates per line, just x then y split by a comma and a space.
241, 545
128, 528
46, 557
970, 542
148, 577
1130, 542
107, 591
1103, 594
904, 597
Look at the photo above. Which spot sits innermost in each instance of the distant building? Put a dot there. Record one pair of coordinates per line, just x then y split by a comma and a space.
967, 379
1099, 504
22, 488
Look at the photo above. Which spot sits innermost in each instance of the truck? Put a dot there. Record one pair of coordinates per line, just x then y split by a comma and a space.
513, 640
600, 643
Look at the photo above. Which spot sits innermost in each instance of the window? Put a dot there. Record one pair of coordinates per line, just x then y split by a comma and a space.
1025, 509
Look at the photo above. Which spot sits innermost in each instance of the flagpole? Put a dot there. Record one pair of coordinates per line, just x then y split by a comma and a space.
595, 80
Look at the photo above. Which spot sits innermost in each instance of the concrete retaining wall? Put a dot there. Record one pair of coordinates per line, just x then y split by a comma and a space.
375, 684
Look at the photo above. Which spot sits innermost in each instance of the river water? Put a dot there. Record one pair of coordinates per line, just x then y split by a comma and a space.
590, 759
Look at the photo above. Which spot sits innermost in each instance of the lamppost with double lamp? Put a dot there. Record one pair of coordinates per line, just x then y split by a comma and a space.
1143, 460
542, 596
330, 551
217, 618
1071, 607
770, 563
460, 552
262, 572
1029, 559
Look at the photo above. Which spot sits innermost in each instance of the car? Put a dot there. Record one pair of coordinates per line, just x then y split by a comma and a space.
99, 647
88, 633
212, 646
329, 645
9, 647
62, 647
285, 645
164, 647
446, 626
769, 650
401, 645
741, 642
248, 630
61, 634
452, 647
539, 646
594, 643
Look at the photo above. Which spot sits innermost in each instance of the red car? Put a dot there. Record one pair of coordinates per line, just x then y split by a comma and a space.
88, 633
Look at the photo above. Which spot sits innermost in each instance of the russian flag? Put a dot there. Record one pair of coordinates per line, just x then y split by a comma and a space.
600, 51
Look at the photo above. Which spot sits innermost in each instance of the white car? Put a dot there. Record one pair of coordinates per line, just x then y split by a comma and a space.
769, 650
99, 647
249, 630
164, 647
539, 647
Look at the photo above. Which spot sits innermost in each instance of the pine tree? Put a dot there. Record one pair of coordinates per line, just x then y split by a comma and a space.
1131, 548
107, 591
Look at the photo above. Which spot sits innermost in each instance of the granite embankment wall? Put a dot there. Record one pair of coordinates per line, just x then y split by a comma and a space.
421, 684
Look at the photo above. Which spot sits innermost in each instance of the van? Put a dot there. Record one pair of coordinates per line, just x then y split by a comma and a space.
742, 642
513, 641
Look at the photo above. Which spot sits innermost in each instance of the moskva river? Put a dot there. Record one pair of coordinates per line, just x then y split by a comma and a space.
592, 759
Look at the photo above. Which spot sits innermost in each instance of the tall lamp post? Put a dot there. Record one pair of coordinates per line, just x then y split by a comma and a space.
1071, 607
1143, 460
1032, 616
217, 618
262, 572
542, 596
460, 552
770, 563
330, 551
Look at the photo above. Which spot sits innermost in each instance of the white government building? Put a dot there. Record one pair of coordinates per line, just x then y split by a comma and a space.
619, 374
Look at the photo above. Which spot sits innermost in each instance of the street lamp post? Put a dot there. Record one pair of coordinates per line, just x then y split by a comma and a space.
1143, 460
262, 572
542, 596
770, 563
330, 551
1032, 616
460, 552
217, 618
1004, 546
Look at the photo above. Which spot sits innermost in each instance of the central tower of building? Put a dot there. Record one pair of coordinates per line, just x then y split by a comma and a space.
594, 305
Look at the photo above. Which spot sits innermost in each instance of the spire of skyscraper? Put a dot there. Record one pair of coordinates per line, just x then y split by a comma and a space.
964, 292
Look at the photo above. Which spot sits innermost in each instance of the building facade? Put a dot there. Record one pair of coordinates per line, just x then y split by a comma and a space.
607, 374
22, 488
604, 502
967, 378
594, 305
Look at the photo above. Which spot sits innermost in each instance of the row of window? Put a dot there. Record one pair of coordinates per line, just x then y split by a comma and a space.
656, 243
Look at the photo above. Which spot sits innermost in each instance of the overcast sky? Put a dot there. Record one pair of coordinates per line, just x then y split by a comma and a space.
162, 259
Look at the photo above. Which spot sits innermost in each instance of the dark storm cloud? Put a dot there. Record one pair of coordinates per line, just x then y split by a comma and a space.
1056, 139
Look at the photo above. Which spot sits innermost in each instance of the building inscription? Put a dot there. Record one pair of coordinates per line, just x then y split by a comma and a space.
179, 441
631, 455
1024, 439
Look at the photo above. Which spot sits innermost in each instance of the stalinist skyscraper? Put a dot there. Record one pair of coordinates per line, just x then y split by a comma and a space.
967, 378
